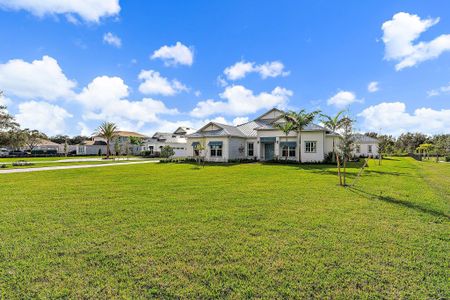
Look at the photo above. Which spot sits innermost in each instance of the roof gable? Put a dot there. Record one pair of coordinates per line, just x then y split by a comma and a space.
272, 114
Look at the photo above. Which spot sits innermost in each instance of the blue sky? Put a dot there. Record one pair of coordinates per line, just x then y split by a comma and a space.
155, 65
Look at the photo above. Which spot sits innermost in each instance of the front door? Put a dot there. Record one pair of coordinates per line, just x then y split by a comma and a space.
268, 151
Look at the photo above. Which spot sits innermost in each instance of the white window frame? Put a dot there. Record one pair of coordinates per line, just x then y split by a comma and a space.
253, 149
288, 149
369, 148
216, 149
312, 147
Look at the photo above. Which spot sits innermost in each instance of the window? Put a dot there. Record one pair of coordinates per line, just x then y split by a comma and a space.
150, 148
288, 150
310, 146
250, 151
358, 148
369, 148
216, 150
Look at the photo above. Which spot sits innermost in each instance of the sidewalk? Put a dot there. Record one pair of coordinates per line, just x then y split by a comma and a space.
27, 170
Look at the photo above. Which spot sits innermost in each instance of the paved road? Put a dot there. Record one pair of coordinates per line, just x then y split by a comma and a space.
26, 170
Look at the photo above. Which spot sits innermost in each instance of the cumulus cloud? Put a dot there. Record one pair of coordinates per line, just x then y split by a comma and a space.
343, 99
43, 116
178, 54
239, 101
392, 118
112, 39
42, 79
4, 100
442, 90
373, 87
239, 120
105, 98
89, 10
402, 30
154, 84
269, 69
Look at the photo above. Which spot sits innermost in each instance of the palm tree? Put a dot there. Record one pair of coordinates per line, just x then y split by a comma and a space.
108, 131
300, 120
333, 123
286, 128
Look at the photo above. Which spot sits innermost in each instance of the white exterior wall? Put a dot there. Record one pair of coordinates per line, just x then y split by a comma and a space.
207, 152
234, 145
318, 137
180, 149
364, 151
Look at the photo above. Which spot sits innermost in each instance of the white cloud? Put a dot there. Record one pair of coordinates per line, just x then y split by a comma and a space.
105, 98
241, 101
178, 54
239, 120
373, 87
399, 35
442, 90
39, 79
43, 116
154, 84
5, 100
89, 10
112, 39
84, 129
392, 118
343, 99
269, 69
197, 93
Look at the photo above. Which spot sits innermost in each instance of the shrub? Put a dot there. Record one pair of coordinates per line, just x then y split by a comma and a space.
21, 163
167, 152
150, 154
3, 166
447, 158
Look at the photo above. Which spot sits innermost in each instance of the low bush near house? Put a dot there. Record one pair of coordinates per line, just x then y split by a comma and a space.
447, 158
22, 163
3, 166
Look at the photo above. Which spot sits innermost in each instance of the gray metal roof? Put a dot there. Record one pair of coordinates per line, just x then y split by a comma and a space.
362, 138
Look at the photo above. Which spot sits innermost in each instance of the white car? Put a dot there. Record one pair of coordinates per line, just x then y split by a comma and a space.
4, 152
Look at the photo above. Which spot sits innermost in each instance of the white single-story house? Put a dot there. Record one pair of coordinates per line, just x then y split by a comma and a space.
177, 140
365, 146
261, 140
97, 145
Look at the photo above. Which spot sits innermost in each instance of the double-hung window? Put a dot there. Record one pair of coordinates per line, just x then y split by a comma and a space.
215, 149
288, 149
250, 150
310, 147
369, 148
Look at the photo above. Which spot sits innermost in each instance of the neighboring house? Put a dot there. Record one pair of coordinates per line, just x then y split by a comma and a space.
261, 140
45, 146
365, 146
177, 140
97, 144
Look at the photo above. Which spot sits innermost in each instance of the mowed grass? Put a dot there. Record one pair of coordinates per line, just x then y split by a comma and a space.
237, 231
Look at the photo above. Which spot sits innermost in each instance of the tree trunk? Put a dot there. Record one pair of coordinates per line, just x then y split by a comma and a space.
339, 169
107, 149
286, 158
300, 147
345, 171
333, 157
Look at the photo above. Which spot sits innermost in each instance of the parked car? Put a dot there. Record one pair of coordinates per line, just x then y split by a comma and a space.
4, 152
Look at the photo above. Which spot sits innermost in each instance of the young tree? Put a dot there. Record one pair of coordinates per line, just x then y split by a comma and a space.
300, 120
333, 123
117, 147
136, 141
33, 138
108, 131
346, 146
286, 128
167, 152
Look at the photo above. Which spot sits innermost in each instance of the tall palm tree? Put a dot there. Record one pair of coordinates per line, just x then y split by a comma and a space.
108, 131
286, 128
333, 123
300, 120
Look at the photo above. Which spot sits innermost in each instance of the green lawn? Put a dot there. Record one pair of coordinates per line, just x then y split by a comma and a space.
237, 231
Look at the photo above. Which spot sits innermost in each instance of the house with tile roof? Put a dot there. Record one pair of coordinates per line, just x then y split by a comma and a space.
260, 139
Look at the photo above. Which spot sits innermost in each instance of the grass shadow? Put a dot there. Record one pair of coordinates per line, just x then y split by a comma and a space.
400, 202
